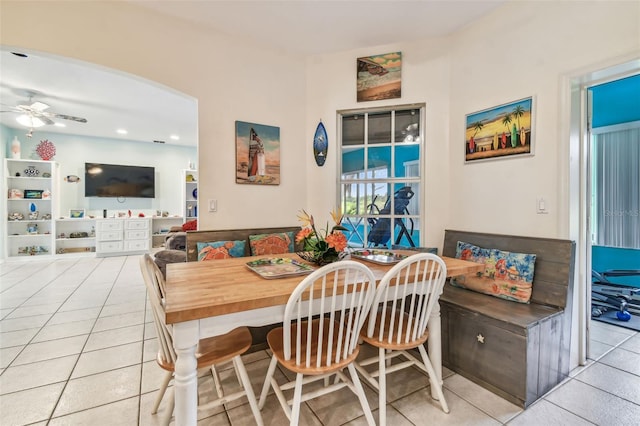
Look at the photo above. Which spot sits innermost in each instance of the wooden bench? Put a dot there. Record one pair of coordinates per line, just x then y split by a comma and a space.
195, 237
518, 351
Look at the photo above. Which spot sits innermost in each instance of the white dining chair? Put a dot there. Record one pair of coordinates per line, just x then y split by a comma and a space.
404, 301
211, 351
319, 336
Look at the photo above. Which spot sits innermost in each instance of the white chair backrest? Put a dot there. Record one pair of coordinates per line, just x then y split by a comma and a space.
155, 289
412, 286
340, 292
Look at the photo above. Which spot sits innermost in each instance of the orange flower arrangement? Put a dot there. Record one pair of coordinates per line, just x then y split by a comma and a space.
321, 247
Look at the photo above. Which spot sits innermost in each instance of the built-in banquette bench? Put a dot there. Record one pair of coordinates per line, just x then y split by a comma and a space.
259, 334
518, 351
195, 237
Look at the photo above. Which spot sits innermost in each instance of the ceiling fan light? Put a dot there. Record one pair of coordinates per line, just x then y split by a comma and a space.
29, 121
58, 124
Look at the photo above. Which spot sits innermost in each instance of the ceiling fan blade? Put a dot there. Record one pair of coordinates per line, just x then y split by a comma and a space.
38, 106
46, 120
67, 117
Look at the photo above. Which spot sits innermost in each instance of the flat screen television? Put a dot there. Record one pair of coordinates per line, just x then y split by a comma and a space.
113, 180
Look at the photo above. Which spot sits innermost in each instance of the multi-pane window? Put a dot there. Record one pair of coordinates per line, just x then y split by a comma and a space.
380, 179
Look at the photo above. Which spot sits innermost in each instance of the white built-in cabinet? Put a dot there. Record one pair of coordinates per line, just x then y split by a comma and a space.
123, 236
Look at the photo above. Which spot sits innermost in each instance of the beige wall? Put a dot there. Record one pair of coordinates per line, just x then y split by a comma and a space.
231, 81
522, 49
525, 48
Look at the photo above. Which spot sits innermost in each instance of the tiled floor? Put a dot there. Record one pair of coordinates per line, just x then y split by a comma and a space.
77, 347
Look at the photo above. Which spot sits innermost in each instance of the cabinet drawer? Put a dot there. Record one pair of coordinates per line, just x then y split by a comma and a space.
110, 225
136, 235
110, 246
489, 353
137, 224
136, 245
110, 235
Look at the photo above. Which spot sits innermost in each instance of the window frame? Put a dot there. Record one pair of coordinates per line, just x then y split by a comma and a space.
392, 181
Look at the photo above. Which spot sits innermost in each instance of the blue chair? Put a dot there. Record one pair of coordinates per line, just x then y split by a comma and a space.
380, 232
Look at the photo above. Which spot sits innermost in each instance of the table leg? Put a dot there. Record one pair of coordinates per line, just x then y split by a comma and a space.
185, 341
434, 345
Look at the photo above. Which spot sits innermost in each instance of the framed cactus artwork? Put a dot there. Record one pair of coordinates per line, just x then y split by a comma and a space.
503, 131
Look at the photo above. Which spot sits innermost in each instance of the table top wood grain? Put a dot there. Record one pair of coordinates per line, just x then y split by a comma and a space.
197, 290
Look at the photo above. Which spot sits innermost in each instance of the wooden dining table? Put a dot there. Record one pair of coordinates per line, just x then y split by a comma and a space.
205, 299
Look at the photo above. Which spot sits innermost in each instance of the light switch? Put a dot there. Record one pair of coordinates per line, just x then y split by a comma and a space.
541, 206
213, 205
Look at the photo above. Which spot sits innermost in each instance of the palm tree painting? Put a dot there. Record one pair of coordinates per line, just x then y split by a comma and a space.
502, 131
477, 126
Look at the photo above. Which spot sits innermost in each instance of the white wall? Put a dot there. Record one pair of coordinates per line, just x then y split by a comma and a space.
231, 80
73, 151
524, 48
331, 85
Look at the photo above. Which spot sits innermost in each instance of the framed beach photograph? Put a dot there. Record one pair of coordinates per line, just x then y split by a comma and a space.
379, 77
257, 154
503, 131
76, 213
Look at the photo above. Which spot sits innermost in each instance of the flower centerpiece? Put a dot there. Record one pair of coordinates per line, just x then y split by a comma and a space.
322, 247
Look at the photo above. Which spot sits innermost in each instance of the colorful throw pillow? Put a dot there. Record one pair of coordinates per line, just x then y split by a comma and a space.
277, 243
506, 275
220, 250
191, 225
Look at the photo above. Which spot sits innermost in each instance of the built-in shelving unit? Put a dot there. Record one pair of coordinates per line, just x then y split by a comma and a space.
190, 194
34, 226
30, 191
75, 236
161, 227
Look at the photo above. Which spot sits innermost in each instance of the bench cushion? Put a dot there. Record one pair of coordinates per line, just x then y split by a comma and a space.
507, 275
220, 250
276, 243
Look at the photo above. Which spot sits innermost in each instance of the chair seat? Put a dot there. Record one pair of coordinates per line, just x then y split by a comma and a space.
384, 341
216, 350
276, 344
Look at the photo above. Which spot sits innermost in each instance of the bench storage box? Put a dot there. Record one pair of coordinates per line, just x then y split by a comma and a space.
518, 351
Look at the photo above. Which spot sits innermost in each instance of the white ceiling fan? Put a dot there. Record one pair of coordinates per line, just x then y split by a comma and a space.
34, 114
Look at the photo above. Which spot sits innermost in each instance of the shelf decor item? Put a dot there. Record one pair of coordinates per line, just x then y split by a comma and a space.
16, 216
33, 194
322, 247
15, 148
46, 150
33, 211
76, 213
31, 171
16, 194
